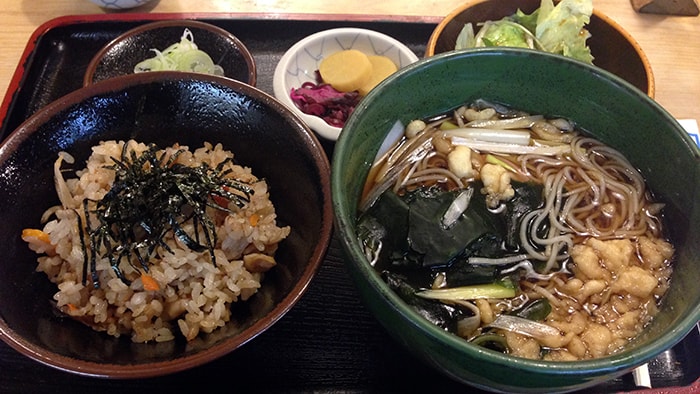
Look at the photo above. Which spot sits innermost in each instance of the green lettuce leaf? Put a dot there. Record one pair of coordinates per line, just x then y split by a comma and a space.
557, 29
560, 28
505, 33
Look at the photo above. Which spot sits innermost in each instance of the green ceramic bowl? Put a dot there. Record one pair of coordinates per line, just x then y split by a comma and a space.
599, 102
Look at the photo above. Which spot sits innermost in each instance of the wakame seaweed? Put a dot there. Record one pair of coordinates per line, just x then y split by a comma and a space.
428, 237
151, 197
527, 198
416, 245
537, 310
438, 313
413, 234
390, 214
461, 273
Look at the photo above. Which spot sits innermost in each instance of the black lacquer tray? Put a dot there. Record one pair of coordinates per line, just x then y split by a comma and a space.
328, 342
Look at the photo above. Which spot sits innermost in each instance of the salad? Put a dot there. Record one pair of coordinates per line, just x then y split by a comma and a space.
552, 28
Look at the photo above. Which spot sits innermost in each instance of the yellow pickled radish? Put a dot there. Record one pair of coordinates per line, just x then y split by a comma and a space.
346, 70
382, 67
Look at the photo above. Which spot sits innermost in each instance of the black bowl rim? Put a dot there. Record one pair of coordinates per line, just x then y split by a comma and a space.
126, 371
247, 55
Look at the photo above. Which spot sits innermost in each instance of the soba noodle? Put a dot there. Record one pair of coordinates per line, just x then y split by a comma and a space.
594, 248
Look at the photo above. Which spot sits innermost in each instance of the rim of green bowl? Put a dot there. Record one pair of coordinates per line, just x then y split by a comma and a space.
622, 361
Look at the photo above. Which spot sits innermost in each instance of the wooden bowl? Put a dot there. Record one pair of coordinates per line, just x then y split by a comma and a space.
161, 108
120, 55
613, 49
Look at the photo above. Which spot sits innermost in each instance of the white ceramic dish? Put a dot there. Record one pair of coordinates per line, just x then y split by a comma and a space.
120, 4
300, 62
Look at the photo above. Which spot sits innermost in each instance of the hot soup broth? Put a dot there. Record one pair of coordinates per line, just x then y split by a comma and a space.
516, 232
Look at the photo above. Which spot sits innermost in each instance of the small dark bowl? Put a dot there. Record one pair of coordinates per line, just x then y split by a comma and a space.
162, 108
120, 55
613, 48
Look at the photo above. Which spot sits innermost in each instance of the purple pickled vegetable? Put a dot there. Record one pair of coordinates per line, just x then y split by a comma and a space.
324, 101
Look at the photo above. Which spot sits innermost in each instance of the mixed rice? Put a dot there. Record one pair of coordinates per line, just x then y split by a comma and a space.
180, 291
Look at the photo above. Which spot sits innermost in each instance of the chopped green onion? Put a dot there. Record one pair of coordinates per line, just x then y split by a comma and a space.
492, 341
447, 125
457, 207
504, 136
497, 261
495, 160
521, 122
497, 147
181, 56
524, 326
491, 290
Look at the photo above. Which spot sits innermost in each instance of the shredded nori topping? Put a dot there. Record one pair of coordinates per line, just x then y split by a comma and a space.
153, 196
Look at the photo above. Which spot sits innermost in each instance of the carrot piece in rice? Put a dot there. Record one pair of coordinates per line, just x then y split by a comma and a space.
149, 283
38, 234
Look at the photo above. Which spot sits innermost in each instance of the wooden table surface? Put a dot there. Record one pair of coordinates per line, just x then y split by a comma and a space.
672, 43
